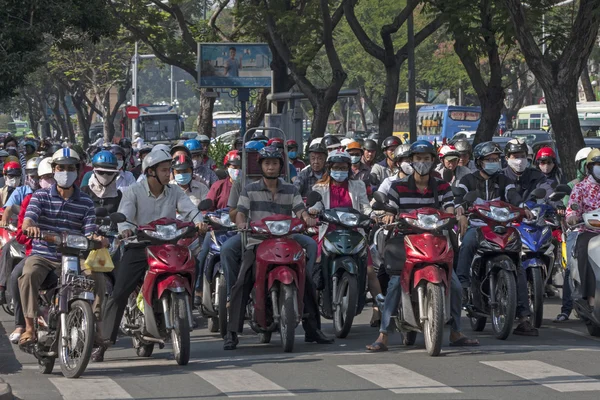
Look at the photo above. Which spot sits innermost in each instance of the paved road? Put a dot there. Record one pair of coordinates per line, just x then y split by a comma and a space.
561, 363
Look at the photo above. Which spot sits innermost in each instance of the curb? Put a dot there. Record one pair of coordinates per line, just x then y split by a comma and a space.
5, 391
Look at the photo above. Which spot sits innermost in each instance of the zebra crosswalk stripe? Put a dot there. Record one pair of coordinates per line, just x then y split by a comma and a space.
89, 389
398, 379
242, 382
555, 378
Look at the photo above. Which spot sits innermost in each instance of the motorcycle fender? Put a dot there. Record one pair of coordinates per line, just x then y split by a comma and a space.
174, 283
430, 273
283, 274
503, 263
342, 264
533, 263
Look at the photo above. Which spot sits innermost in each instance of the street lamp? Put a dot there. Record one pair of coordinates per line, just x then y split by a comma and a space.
176, 83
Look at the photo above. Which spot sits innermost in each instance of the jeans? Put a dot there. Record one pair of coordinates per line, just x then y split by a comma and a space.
231, 256
567, 299
468, 249
392, 301
15, 294
202, 259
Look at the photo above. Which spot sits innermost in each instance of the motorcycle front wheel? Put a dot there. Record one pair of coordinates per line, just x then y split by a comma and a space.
535, 286
503, 316
433, 327
180, 334
287, 315
346, 304
76, 349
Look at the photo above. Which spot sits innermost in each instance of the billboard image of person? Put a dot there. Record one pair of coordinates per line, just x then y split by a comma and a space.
234, 65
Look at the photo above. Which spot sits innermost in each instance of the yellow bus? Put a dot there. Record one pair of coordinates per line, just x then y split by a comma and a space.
401, 124
536, 116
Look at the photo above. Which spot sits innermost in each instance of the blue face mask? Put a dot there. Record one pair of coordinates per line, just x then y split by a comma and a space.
183, 179
292, 155
339, 176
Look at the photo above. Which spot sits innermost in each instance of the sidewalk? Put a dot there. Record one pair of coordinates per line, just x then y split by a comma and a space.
8, 362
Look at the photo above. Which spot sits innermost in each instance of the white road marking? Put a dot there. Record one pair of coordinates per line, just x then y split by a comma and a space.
555, 378
582, 334
397, 379
89, 389
242, 382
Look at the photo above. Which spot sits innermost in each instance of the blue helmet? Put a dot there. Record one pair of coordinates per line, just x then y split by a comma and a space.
255, 145
105, 160
193, 145
422, 147
32, 143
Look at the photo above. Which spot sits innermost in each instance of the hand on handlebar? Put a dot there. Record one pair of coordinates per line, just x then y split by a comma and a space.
202, 227
388, 219
33, 232
242, 226
528, 214
463, 224
573, 219
126, 233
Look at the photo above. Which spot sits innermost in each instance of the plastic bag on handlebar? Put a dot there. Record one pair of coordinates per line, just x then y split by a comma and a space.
99, 261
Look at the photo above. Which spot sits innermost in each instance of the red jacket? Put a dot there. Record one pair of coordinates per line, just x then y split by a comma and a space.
22, 238
219, 193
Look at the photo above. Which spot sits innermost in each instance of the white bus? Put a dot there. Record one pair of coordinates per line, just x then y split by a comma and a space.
536, 116
225, 121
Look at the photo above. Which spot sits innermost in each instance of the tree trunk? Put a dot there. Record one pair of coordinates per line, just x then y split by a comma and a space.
491, 109
320, 118
586, 82
205, 114
68, 122
561, 101
361, 111
61, 129
388, 102
371, 105
260, 109
82, 120
107, 122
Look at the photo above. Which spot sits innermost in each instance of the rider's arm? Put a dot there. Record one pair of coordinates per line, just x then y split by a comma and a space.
232, 202
575, 198
363, 200
128, 207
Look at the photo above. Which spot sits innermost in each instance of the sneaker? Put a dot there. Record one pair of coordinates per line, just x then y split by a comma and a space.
525, 329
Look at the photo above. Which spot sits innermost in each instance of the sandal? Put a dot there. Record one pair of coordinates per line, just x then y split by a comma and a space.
465, 342
377, 347
562, 317
26, 338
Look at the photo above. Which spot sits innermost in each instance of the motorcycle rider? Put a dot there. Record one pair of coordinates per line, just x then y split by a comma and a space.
413, 192
12, 179
370, 148
278, 142
31, 185
137, 170
138, 142
491, 184
182, 170
203, 172
205, 160
292, 146
270, 195
102, 185
125, 178
146, 201
31, 147
449, 169
386, 167
567, 300
62, 207
465, 152
3, 156
547, 162
586, 195
526, 179
359, 171
128, 158
12, 146
403, 166
317, 155
338, 190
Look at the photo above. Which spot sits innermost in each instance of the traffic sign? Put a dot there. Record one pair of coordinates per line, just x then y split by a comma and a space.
132, 112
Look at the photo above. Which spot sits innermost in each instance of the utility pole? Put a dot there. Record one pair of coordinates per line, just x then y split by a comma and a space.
412, 90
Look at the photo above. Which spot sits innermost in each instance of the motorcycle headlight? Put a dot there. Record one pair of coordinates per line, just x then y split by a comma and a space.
427, 221
500, 214
165, 232
330, 247
347, 219
76, 242
279, 228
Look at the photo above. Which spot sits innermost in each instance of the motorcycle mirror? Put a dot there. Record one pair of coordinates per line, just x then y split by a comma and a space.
380, 197
205, 205
566, 189
374, 180
118, 218
221, 173
471, 197
538, 193
101, 212
313, 198
557, 196
458, 191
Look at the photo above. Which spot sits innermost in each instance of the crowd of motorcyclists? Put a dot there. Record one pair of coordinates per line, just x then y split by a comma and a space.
51, 187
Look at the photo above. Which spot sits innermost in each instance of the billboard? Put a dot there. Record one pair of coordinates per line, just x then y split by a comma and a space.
234, 65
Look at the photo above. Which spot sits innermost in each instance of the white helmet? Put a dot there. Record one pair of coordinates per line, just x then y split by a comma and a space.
202, 138
65, 156
346, 141
162, 147
45, 167
136, 134
155, 157
339, 156
582, 154
33, 163
316, 141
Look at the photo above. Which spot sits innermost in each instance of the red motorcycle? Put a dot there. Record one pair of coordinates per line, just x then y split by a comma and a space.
278, 295
425, 279
165, 307
7, 234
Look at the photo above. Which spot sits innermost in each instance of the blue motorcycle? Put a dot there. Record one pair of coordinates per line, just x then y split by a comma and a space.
538, 252
214, 286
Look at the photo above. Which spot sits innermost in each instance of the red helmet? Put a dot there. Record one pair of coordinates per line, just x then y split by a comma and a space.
545, 153
292, 143
12, 168
232, 158
277, 142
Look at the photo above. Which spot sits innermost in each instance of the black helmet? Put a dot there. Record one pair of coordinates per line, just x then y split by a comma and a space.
125, 143
390, 141
463, 145
182, 162
515, 146
318, 148
484, 149
370, 145
144, 150
330, 140
270, 152
116, 149
181, 147
260, 136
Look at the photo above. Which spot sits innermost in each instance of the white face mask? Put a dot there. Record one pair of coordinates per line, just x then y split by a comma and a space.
406, 168
596, 172
65, 179
546, 168
12, 181
120, 164
518, 164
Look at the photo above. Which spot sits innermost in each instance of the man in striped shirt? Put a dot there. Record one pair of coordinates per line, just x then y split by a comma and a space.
61, 208
418, 190
266, 197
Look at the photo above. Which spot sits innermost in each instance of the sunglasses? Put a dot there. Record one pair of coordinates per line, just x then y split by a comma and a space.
104, 173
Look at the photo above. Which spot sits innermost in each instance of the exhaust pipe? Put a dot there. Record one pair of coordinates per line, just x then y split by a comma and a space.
153, 340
